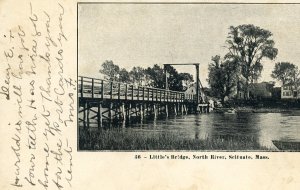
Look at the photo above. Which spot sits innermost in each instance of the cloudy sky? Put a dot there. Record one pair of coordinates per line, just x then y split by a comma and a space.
144, 35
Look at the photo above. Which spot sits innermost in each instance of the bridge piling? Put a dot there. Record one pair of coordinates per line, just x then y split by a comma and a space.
103, 101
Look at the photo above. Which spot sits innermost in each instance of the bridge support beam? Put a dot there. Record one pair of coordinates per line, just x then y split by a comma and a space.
99, 116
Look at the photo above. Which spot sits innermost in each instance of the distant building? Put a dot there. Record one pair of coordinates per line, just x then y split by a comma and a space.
191, 91
288, 92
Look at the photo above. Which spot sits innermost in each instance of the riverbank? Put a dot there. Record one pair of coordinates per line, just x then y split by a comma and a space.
118, 139
262, 110
263, 106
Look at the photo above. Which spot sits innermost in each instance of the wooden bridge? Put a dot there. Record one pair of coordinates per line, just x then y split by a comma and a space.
107, 101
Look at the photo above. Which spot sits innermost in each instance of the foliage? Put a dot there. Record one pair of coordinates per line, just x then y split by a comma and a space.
174, 79
284, 72
186, 79
124, 76
152, 76
222, 77
110, 70
137, 75
249, 44
156, 76
295, 80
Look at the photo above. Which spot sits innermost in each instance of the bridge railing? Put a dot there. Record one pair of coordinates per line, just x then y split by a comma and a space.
103, 89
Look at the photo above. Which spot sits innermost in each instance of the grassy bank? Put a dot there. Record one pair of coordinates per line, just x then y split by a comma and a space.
121, 140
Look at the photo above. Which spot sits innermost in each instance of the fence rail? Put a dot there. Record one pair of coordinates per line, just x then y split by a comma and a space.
103, 89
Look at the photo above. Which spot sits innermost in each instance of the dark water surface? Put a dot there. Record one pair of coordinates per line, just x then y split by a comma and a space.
262, 127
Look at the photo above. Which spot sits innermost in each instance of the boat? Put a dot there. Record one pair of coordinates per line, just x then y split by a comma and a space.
287, 145
230, 111
225, 110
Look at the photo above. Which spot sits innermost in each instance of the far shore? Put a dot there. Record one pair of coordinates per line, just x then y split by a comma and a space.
263, 110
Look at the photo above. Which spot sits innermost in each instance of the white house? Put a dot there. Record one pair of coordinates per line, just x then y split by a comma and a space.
288, 92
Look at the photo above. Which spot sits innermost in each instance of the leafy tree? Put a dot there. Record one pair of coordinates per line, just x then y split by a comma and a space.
156, 76
216, 77
186, 79
295, 80
284, 72
110, 70
174, 79
137, 75
249, 44
231, 71
222, 77
124, 76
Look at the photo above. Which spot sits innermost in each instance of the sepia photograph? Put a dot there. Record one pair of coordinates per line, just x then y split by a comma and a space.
188, 77
165, 95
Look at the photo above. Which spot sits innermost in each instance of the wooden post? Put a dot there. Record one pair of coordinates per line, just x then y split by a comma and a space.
119, 90
167, 111
143, 93
197, 85
92, 87
152, 95
99, 117
84, 114
123, 112
138, 93
110, 111
181, 109
132, 95
129, 112
141, 111
208, 107
154, 110
111, 90
126, 87
81, 87
175, 109
102, 89
88, 115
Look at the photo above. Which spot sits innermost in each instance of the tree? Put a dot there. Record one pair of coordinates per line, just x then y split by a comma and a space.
284, 72
295, 80
110, 70
216, 78
186, 79
137, 75
174, 79
222, 77
124, 76
231, 71
156, 76
249, 44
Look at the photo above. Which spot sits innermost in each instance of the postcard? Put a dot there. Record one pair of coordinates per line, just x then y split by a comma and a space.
149, 95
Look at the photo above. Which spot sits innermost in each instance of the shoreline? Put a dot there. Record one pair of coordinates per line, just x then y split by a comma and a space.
263, 110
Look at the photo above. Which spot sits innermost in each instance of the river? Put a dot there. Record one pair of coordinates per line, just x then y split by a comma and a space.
263, 127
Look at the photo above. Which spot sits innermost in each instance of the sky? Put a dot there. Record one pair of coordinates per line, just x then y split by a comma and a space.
147, 34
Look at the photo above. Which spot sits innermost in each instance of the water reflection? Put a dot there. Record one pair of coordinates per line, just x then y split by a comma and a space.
262, 128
